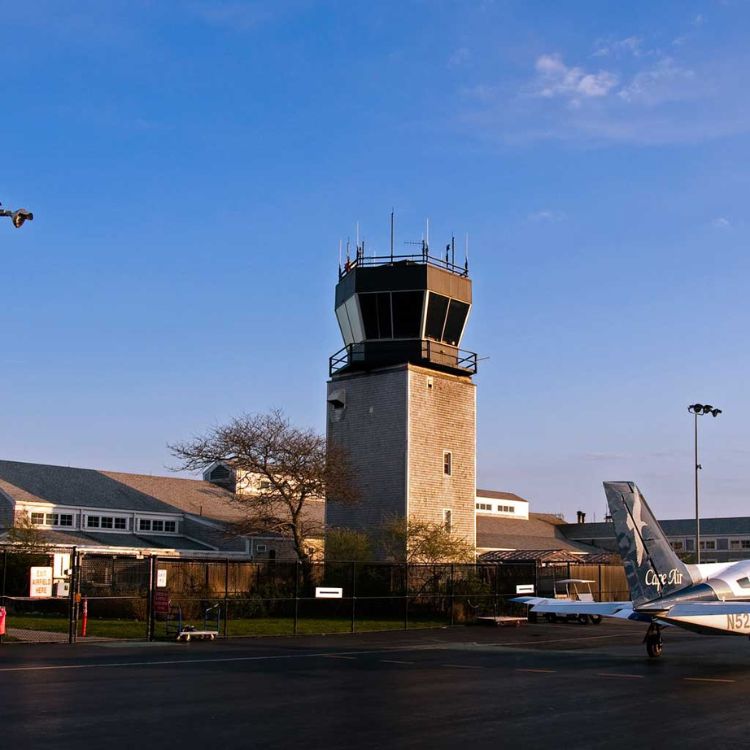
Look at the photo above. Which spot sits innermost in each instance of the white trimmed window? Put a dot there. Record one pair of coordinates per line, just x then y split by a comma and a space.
447, 463
107, 523
447, 519
157, 525
53, 520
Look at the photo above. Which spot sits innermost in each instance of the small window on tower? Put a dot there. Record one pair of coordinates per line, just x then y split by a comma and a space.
447, 463
447, 519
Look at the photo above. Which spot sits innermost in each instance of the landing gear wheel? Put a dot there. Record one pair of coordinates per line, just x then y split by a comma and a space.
653, 641
583, 619
596, 619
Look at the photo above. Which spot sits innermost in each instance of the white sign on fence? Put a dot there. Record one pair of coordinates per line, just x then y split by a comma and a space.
525, 588
328, 593
161, 578
61, 567
40, 582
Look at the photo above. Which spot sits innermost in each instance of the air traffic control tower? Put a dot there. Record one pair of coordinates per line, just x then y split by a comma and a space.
400, 396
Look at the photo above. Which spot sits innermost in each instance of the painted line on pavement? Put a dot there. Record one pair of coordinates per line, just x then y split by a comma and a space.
222, 659
394, 661
461, 666
555, 640
540, 671
620, 674
706, 679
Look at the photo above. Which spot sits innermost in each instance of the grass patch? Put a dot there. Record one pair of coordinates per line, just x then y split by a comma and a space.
251, 626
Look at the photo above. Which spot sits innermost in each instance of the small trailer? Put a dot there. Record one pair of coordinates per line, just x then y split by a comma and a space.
574, 590
501, 621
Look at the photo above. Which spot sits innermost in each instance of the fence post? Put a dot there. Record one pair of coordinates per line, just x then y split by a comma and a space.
226, 597
406, 596
354, 593
296, 595
150, 600
600, 583
452, 595
72, 598
497, 587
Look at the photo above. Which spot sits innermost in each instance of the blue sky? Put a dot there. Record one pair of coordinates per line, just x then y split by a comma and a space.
192, 167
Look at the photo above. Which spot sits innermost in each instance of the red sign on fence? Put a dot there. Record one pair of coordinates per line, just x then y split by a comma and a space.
161, 602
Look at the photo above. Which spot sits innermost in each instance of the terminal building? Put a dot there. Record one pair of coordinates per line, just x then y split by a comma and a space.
722, 539
133, 514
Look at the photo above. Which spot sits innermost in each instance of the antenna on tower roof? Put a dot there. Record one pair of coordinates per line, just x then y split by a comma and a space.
392, 222
466, 254
340, 244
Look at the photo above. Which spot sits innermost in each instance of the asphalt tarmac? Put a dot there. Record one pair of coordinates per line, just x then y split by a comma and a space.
469, 687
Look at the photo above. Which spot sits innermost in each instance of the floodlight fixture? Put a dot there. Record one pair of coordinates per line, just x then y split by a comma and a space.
17, 217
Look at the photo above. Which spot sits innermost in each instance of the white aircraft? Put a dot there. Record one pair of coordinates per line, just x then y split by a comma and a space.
712, 598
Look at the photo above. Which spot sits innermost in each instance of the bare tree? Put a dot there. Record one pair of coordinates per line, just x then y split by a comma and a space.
27, 537
288, 468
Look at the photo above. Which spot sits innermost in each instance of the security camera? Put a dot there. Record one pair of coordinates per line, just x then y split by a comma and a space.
20, 216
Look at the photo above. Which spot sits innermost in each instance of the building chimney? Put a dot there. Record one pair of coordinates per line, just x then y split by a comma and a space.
581, 517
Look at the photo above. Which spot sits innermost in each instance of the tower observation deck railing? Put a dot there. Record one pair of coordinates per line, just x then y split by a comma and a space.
362, 261
368, 354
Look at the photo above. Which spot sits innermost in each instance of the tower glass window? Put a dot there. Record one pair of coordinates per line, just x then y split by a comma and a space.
407, 314
437, 309
454, 323
376, 315
447, 463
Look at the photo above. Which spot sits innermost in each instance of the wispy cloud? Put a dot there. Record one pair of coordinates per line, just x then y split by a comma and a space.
556, 79
547, 215
602, 456
631, 45
721, 222
649, 98
239, 16
663, 82
459, 57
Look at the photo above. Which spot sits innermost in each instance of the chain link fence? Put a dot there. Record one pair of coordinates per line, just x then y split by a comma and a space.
120, 597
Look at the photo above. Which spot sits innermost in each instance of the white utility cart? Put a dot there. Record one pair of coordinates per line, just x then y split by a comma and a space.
574, 590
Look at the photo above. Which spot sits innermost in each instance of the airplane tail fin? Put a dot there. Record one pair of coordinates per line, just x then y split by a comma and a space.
652, 568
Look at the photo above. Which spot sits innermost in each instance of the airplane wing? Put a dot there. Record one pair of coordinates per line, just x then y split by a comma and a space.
621, 610
604, 609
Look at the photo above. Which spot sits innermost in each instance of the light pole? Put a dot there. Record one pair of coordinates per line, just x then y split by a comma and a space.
698, 410
17, 217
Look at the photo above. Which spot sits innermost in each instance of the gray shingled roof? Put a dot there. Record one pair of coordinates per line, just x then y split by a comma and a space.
137, 541
112, 490
533, 555
496, 495
672, 527
539, 532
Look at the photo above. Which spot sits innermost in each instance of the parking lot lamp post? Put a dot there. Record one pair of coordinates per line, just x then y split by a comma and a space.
698, 410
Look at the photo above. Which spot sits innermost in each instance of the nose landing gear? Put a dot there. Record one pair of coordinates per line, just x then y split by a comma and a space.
653, 641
